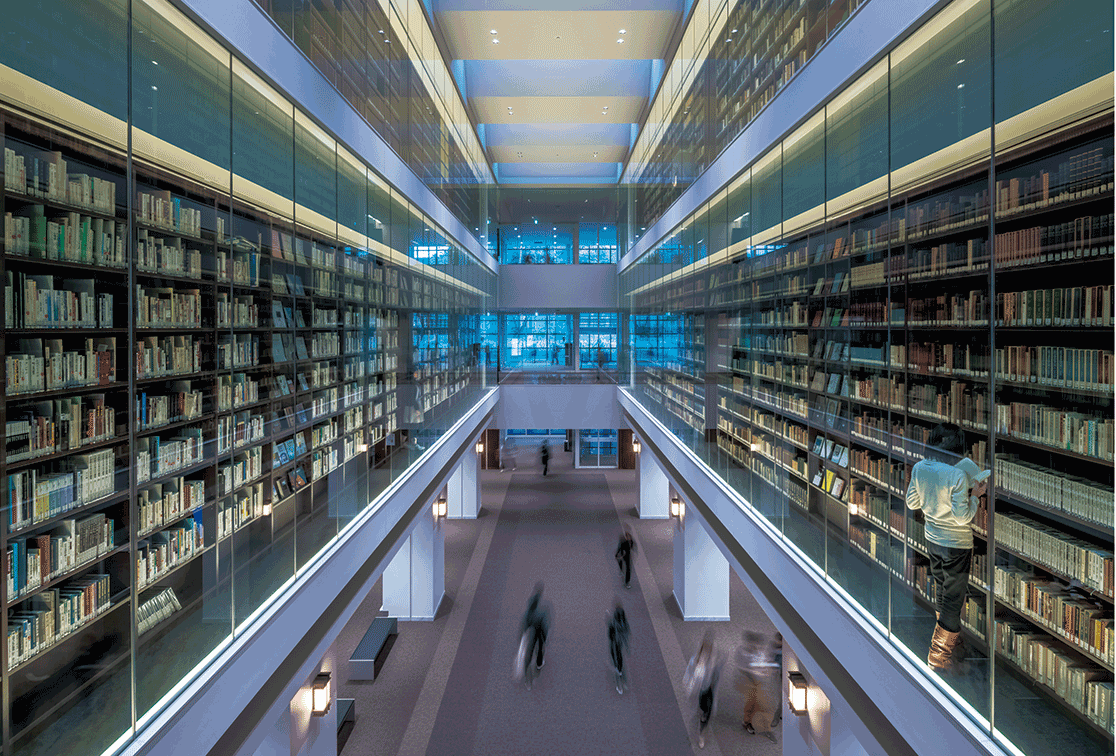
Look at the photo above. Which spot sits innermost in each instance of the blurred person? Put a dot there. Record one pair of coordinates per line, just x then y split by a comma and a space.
544, 456
536, 621
624, 551
755, 664
507, 451
942, 487
618, 633
701, 678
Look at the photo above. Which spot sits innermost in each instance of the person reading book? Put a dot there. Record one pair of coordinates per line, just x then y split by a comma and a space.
947, 487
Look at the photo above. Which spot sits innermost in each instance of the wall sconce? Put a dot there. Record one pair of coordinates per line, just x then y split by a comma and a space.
677, 508
440, 508
480, 447
320, 697
798, 689
637, 447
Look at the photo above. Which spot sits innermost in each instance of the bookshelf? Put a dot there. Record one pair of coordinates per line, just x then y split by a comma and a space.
846, 341
167, 471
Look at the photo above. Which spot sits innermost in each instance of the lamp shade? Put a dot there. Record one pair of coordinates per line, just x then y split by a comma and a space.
320, 696
798, 690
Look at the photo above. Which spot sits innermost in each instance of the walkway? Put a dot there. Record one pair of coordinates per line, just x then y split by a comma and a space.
447, 686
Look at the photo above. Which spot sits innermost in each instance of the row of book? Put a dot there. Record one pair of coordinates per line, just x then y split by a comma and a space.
1089, 435
155, 456
246, 466
161, 209
239, 429
324, 461
236, 390
1059, 367
70, 236
46, 365
1081, 238
165, 502
238, 351
1070, 306
246, 505
35, 496
156, 609
1083, 685
53, 614
239, 267
1070, 614
1059, 551
1081, 175
35, 561
166, 549
283, 452
1060, 491
31, 301
45, 175
166, 356
58, 425
167, 307
237, 311
154, 254
156, 410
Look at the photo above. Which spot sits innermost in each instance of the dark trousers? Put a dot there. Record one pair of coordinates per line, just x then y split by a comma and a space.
546, 463
618, 657
705, 705
540, 645
949, 568
625, 561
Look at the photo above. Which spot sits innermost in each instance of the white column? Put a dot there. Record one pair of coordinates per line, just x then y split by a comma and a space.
414, 581
654, 489
463, 487
701, 571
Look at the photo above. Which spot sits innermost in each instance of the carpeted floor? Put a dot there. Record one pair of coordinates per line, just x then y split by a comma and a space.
447, 686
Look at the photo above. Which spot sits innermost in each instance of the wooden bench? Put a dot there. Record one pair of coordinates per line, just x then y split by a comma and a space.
346, 719
368, 658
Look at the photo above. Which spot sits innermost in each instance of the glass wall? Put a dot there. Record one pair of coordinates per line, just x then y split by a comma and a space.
735, 56
526, 244
596, 243
934, 246
597, 334
381, 58
219, 348
534, 340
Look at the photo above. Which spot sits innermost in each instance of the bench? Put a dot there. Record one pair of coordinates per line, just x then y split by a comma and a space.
368, 658
346, 719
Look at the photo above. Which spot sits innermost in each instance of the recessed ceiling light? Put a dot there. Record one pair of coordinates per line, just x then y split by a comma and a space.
495, 41
734, 31
493, 31
621, 41
623, 31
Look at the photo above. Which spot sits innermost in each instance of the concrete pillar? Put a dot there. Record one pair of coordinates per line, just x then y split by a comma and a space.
415, 579
654, 489
701, 571
463, 487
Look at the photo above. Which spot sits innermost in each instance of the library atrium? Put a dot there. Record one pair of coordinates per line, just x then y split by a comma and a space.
752, 358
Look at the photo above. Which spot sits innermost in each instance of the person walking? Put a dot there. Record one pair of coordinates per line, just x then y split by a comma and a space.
507, 454
536, 622
755, 664
544, 455
943, 489
602, 360
624, 552
618, 633
701, 678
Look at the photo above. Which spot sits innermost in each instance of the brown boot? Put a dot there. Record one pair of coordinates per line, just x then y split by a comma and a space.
945, 650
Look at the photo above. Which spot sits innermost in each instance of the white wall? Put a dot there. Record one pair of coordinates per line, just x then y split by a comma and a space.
590, 288
578, 406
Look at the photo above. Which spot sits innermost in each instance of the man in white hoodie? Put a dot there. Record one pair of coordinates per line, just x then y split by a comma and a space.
942, 486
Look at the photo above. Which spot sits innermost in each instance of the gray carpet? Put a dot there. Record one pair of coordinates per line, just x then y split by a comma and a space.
562, 530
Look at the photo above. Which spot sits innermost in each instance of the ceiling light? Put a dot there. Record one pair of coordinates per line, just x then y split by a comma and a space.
623, 31
495, 41
959, 86
606, 107
492, 31
734, 31
620, 41
960, 61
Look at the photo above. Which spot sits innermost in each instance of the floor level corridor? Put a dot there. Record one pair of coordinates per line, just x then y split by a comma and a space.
447, 686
